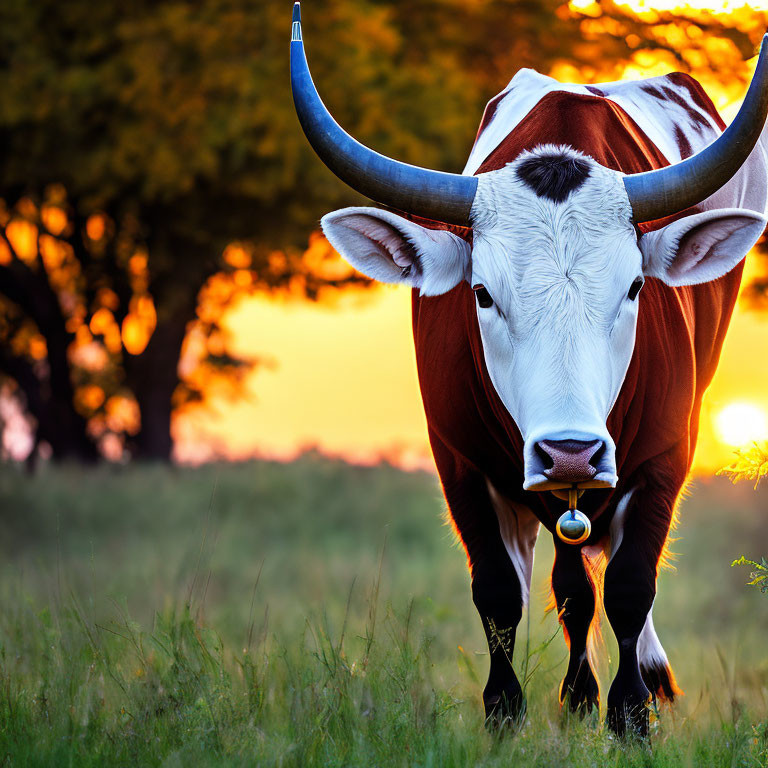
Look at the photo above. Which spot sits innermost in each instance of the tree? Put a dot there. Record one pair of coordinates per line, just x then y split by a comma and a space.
78, 325
150, 127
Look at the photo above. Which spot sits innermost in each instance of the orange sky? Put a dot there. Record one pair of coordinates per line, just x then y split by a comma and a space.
344, 380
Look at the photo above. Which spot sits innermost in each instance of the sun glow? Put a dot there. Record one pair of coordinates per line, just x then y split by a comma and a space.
741, 423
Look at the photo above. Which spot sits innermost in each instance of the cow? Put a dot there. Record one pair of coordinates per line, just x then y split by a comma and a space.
571, 293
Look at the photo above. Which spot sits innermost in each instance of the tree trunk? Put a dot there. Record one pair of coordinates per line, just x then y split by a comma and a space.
50, 399
153, 377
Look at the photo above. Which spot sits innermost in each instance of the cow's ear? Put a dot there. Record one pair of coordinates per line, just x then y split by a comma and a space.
701, 247
391, 249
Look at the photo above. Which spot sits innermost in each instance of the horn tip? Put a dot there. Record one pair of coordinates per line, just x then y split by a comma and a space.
763, 46
296, 36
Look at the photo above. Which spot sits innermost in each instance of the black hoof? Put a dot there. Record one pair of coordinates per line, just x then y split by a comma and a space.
579, 691
505, 711
631, 720
628, 700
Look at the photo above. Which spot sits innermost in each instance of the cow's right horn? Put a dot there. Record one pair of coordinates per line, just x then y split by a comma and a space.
433, 195
660, 193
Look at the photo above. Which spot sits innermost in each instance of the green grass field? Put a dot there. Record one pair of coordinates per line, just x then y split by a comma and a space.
320, 614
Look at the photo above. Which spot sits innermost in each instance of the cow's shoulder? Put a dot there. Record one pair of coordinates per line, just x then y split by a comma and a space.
672, 110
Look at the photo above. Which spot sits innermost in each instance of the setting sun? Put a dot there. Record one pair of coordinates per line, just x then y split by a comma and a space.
741, 423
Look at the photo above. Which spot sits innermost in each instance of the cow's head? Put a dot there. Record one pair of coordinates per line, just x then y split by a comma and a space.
556, 264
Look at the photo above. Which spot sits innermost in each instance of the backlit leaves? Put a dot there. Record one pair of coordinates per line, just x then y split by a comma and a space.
758, 577
749, 464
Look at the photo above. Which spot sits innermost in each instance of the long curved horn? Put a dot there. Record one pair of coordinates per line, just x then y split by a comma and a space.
434, 195
660, 193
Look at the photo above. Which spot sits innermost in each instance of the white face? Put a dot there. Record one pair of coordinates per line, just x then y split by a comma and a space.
557, 294
562, 281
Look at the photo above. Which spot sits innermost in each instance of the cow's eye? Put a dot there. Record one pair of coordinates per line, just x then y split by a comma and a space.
634, 289
483, 297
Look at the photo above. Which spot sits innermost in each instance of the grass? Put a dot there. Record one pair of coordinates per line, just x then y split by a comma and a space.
320, 614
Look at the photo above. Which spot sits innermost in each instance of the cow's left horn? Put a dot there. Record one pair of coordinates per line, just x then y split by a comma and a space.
434, 195
660, 193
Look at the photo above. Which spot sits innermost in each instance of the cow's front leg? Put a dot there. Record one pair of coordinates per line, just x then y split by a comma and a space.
499, 537
630, 588
498, 599
575, 600
629, 593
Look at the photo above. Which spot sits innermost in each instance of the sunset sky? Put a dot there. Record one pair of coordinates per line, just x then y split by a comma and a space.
343, 379
342, 375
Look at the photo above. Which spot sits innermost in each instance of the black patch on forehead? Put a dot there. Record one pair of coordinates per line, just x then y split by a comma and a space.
553, 176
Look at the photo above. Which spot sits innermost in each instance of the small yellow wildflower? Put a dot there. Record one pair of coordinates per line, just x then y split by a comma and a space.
749, 464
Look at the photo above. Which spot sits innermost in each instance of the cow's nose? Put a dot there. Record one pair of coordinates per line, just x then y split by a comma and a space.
570, 461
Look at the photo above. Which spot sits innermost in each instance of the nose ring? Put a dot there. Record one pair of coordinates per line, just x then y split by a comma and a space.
573, 526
